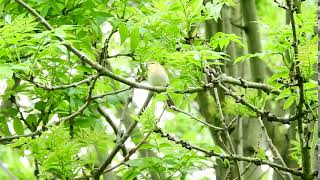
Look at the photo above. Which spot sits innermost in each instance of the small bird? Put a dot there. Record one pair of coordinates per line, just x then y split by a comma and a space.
157, 76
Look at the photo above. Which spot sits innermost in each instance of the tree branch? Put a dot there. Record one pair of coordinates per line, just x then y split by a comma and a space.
3, 140
223, 78
211, 153
113, 126
222, 121
269, 116
305, 150
195, 118
131, 152
273, 148
122, 140
51, 88
110, 93
281, 5
84, 106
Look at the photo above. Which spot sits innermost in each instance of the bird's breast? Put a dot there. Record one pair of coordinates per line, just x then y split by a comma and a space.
158, 78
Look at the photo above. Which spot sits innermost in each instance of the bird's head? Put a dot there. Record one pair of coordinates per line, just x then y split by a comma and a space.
152, 65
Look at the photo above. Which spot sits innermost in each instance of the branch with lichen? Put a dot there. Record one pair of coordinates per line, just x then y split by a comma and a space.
296, 70
233, 157
265, 114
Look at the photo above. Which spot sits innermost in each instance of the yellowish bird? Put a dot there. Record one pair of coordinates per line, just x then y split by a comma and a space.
157, 76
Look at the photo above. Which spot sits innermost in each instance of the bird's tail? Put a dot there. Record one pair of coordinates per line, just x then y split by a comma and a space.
169, 101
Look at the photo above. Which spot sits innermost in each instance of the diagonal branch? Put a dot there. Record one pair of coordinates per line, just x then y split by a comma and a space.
195, 118
281, 5
222, 121
113, 126
210, 153
14, 101
110, 93
122, 140
51, 88
273, 148
269, 116
131, 152
84, 106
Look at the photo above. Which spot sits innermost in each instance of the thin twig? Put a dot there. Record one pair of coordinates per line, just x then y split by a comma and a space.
274, 150
245, 170
110, 93
84, 106
281, 5
118, 55
124, 137
14, 101
195, 118
124, 114
113, 126
131, 152
232, 121
51, 88
226, 132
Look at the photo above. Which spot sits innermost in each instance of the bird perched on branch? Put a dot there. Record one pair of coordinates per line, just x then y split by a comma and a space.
157, 76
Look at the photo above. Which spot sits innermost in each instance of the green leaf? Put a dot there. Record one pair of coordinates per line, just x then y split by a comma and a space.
130, 175
18, 126
123, 31
5, 71
261, 154
148, 146
145, 162
12, 112
4, 129
213, 10
285, 93
289, 101
310, 85
32, 119
40, 105
248, 56
147, 119
60, 33
23, 67
134, 39
165, 145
